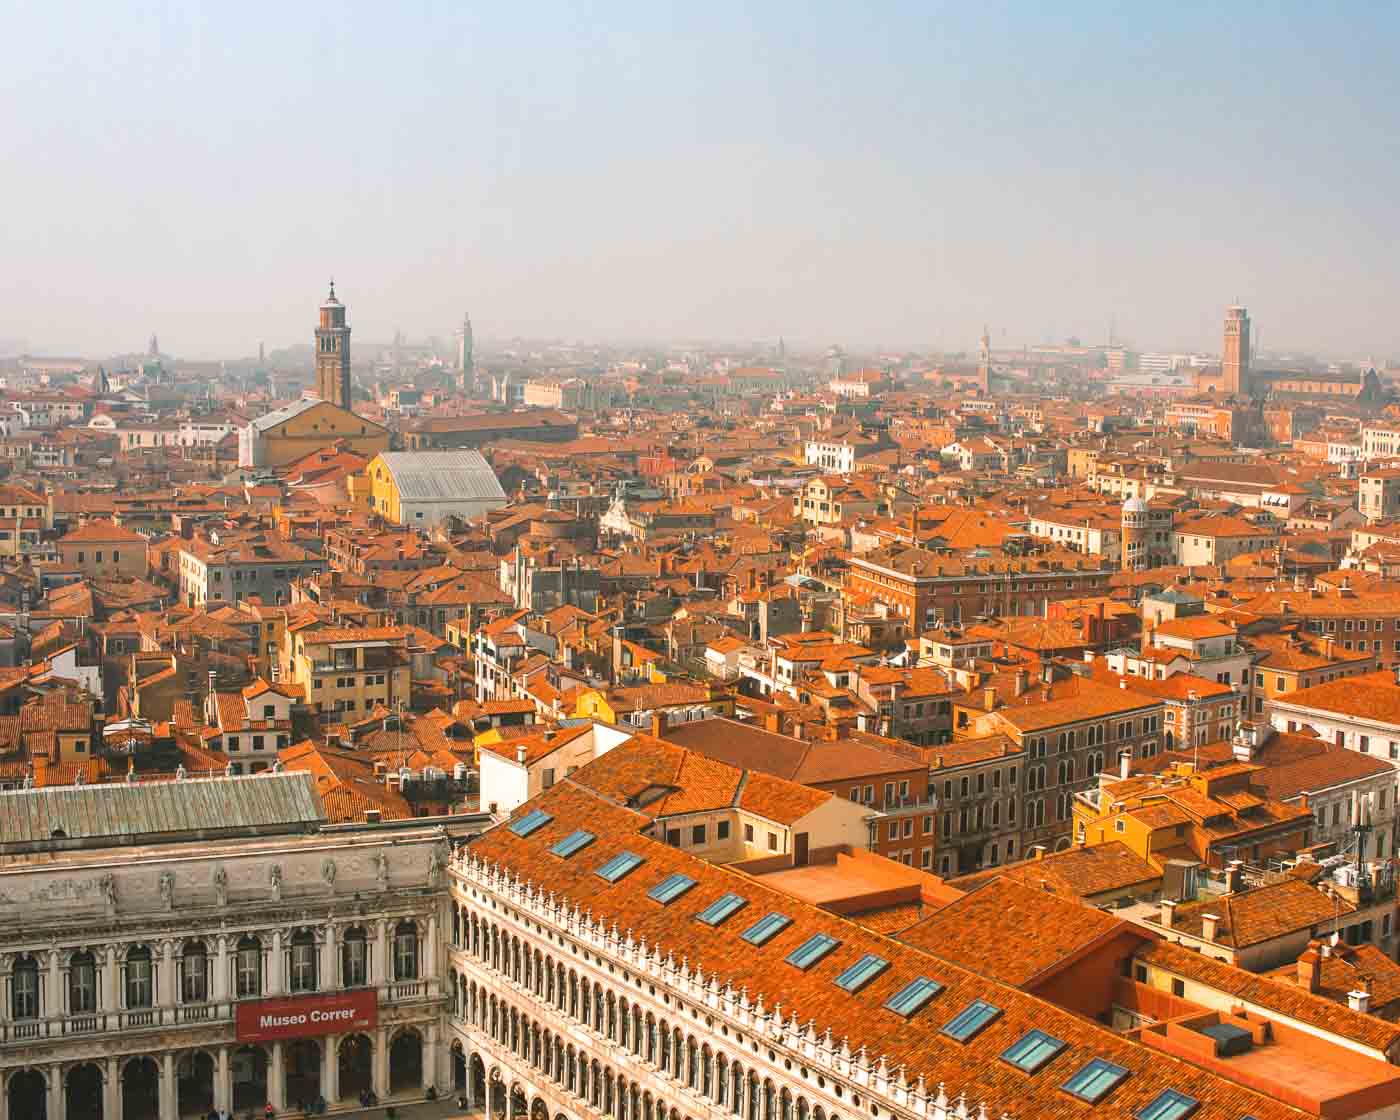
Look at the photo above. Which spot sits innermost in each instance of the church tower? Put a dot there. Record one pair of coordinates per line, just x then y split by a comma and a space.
333, 353
465, 360
1234, 359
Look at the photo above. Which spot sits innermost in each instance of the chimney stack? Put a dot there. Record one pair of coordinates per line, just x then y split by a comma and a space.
1359, 1000
1125, 763
1210, 926
1310, 968
1234, 876
1168, 914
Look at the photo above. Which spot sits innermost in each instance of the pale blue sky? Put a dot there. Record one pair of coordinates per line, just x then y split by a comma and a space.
854, 172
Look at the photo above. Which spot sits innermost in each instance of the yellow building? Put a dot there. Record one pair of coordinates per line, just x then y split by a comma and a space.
423, 488
338, 669
296, 430
639, 705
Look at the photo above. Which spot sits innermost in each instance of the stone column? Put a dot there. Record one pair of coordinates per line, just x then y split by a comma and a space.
53, 993
111, 1001
223, 1080
380, 1078
111, 1089
165, 985
219, 988
330, 1063
275, 966
470, 1090
430, 1056
169, 1091
510, 1097
328, 979
276, 1078
430, 970
55, 1086
382, 950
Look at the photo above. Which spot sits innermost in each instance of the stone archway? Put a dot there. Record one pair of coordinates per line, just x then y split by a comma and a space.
355, 1069
141, 1090
406, 1061
459, 1068
194, 1080
82, 1093
539, 1110
248, 1068
28, 1094
476, 1070
301, 1062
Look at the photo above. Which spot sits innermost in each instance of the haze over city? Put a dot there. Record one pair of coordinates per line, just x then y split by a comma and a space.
894, 174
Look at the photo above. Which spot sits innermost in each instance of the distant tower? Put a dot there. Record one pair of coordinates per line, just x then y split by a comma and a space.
984, 362
1134, 536
1234, 360
465, 360
333, 353
153, 350
262, 354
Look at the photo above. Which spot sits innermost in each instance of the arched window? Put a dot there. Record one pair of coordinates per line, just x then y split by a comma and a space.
24, 988
82, 984
406, 951
194, 973
140, 979
301, 961
354, 958
248, 967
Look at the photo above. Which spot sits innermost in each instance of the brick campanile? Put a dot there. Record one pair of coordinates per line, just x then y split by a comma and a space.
333, 353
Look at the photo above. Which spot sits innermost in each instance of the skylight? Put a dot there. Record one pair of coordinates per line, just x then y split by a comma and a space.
1032, 1050
619, 866
862, 972
1168, 1105
530, 822
670, 888
1093, 1082
913, 996
721, 909
766, 928
971, 1019
574, 842
811, 951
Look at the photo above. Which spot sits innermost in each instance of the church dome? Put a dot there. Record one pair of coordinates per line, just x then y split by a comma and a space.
1135, 505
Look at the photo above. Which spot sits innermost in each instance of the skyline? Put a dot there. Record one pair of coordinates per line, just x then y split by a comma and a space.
898, 176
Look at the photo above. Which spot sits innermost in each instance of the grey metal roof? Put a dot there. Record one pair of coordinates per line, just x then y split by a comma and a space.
443, 476
123, 813
286, 412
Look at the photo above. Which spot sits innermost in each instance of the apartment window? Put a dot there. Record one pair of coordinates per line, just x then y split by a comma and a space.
82, 983
406, 951
673, 837
894, 830
947, 825
748, 834
302, 958
928, 825
269, 711
697, 834
772, 841
722, 830
962, 787
855, 793
870, 795
1178, 988
948, 790
996, 779
257, 742
908, 827
1363, 744
194, 973
926, 862
903, 789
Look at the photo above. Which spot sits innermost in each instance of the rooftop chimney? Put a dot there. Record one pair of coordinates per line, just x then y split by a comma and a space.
372, 816
658, 723
1359, 1001
1310, 968
1023, 681
1234, 875
1210, 925
520, 754
1125, 763
1168, 915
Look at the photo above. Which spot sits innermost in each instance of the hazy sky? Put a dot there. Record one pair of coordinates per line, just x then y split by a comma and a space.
834, 172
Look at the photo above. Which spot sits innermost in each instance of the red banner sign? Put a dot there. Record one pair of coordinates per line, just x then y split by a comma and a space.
307, 1016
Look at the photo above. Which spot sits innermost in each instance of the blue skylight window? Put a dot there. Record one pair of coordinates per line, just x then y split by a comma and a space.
1093, 1082
620, 865
532, 821
721, 909
670, 888
1168, 1105
811, 951
1032, 1050
766, 928
970, 1020
572, 843
862, 972
913, 996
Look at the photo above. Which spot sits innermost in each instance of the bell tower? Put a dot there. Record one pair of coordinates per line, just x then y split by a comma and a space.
333, 353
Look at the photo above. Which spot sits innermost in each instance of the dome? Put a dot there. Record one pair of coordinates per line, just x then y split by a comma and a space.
1135, 505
